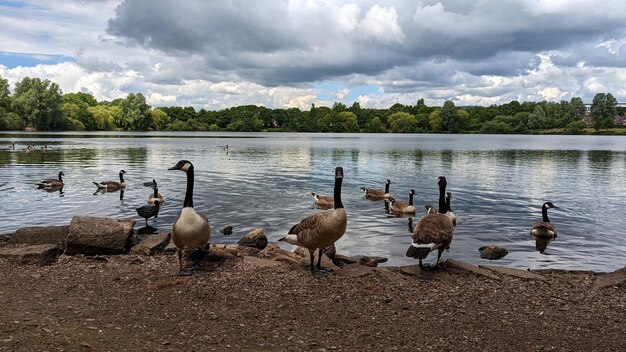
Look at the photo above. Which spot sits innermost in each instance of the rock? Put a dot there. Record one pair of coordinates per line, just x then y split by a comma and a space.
40, 254
255, 238
369, 261
92, 235
614, 279
453, 263
342, 260
492, 252
40, 235
227, 231
259, 263
170, 248
152, 244
523, 274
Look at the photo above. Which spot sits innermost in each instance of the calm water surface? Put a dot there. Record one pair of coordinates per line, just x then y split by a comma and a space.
498, 185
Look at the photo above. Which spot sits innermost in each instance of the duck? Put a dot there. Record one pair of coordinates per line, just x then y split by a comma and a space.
52, 182
112, 185
322, 229
323, 201
148, 211
450, 213
372, 193
544, 231
433, 231
191, 230
402, 207
155, 196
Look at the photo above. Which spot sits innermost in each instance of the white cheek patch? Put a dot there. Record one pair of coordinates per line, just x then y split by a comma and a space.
185, 167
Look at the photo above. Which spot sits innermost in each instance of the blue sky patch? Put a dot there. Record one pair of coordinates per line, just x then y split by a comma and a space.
12, 60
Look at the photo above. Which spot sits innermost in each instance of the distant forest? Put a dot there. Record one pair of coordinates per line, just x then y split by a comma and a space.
40, 105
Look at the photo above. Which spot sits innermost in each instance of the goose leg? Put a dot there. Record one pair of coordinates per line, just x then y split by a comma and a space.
196, 263
181, 271
312, 256
319, 260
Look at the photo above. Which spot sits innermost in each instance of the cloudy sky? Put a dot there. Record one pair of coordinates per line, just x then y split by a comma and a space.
292, 53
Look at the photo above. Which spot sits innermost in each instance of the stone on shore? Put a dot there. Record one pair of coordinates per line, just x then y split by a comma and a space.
255, 238
152, 244
522, 274
40, 254
33, 235
90, 235
492, 252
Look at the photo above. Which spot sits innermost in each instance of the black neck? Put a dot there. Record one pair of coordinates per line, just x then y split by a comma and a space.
386, 187
443, 207
448, 203
337, 193
122, 177
60, 177
189, 193
156, 192
411, 198
544, 212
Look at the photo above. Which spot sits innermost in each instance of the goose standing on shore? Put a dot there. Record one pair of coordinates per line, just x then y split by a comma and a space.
191, 230
433, 231
377, 194
402, 207
148, 211
544, 231
155, 196
52, 182
112, 185
322, 229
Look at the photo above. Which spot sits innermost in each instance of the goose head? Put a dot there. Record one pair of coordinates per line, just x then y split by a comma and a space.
184, 165
441, 181
548, 205
412, 192
338, 172
154, 184
388, 182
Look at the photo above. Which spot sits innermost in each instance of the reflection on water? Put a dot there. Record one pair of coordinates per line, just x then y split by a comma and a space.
265, 180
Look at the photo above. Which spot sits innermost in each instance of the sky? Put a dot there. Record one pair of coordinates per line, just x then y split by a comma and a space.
294, 53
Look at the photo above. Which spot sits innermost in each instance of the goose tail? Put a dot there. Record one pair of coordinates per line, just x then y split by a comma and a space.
291, 239
99, 185
419, 251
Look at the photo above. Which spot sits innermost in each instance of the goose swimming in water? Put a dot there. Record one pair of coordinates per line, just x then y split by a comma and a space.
52, 182
322, 229
377, 194
155, 196
323, 201
402, 207
433, 231
112, 185
544, 231
191, 230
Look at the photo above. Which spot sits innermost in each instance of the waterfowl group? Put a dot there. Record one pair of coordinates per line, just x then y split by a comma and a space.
320, 230
112, 185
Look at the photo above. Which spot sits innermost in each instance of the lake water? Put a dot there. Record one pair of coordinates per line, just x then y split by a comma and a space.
498, 184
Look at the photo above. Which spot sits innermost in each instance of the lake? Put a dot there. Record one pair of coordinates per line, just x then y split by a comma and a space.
498, 184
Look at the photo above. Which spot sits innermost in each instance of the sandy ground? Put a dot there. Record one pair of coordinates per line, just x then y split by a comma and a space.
270, 302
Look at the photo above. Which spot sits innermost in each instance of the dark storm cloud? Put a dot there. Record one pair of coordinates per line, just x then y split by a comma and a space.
287, 42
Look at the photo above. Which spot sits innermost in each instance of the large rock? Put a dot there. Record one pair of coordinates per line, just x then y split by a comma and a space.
41, 254
40, 235
255, 238
152, 244
92, 235
492, 252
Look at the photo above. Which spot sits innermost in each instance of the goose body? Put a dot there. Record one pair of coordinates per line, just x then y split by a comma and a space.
191, 230
402, 207
322, 229
544, 231
148, 211
433, 231
323, 201
372, 193
155, 196
112, 185
52, 182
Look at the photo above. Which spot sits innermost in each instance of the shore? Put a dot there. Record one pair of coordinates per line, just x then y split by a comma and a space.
251, 300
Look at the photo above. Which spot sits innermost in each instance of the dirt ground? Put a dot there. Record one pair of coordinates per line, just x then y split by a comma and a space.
271, 302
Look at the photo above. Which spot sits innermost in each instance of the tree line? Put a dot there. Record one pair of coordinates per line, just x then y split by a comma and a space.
41, 105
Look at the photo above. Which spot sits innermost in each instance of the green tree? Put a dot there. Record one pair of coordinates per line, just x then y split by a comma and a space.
105, 116
135, 113
448, 117
160, 119
577, 108
575, 127
375, 126
496, 127
39, 103
537, 119
402, 122
603, 110
346, 122
5, 98
434, 120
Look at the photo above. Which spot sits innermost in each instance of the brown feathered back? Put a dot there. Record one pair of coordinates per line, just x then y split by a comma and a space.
321, 229
433, 228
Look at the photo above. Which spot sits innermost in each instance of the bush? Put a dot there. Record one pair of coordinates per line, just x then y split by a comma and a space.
496, 127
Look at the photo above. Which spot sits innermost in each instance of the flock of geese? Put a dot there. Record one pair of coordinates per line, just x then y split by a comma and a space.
433, 232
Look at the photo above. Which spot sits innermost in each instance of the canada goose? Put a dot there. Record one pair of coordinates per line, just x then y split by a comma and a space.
148, 211
372, 193
112, 185
191, 230
430, 209
323, 201
12, 146
402, 207
150, 184
321, 229
433, 231
155, 196
52, 182
544, 231
44, 148
450, 213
